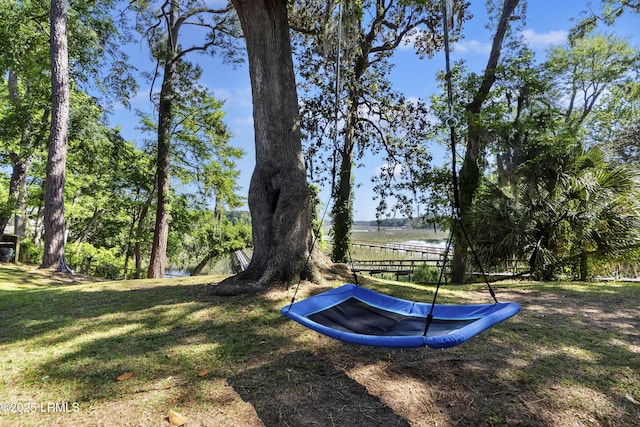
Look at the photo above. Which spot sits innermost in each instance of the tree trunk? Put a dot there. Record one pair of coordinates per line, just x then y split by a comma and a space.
468, 182
20, 224
202, 264
37, 228
54, 235
137, 251
83, 235
279, 197
17, 190
20, 218
129, 249
342, 209
158, 259
20, 163
584, 266
470, 171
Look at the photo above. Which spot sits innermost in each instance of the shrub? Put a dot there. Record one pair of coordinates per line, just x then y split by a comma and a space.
425, 274
100, 262
30, 253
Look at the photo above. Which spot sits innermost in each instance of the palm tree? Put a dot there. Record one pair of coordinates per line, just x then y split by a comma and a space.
605, 208
567, 207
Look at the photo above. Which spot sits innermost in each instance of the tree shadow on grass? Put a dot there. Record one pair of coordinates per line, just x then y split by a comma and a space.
302, 389
566, 359
82, 340
166, 335
32, 312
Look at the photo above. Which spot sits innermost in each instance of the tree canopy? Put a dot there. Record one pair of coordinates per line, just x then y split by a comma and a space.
548, 143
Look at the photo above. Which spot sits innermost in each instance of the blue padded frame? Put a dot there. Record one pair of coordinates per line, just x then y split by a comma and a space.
482, 316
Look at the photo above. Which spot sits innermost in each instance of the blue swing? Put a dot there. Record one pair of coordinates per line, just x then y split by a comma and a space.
359, 315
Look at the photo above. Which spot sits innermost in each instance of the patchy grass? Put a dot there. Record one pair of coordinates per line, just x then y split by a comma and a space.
570, 358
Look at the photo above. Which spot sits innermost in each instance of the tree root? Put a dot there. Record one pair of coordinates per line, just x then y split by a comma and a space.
235, 285
250, 282
246, 283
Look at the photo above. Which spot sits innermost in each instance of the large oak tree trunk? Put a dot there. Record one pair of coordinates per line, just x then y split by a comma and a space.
54, 229
279, 197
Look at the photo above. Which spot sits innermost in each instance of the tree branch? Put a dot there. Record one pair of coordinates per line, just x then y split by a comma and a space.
490, 70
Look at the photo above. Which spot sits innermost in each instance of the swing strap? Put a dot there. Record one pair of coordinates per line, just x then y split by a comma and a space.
447, 11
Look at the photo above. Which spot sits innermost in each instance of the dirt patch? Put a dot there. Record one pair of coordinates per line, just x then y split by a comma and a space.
59, 277
304, 389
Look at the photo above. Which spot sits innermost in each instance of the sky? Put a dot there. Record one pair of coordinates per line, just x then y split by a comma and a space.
547, 24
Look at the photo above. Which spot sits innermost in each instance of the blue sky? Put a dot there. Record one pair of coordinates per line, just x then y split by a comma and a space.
548, 23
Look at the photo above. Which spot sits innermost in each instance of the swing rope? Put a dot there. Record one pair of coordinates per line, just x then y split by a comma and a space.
357, 315
447, 14
336, 119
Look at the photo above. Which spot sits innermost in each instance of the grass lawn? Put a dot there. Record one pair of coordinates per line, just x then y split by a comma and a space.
571, 357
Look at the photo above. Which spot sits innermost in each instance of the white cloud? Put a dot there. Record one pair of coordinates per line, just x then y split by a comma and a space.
542, 40
534, 39
143, 95
471, 46
463, 46
410, 38
222, 93
386, 170
238, 97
